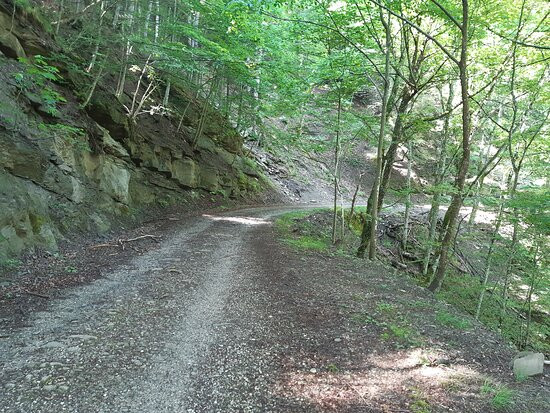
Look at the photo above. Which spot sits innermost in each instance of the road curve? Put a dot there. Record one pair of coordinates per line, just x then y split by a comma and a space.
182, 328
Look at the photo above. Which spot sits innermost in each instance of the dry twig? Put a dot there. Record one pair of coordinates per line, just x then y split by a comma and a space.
121, 242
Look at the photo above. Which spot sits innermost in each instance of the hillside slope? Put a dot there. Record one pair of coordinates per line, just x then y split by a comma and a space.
65, 168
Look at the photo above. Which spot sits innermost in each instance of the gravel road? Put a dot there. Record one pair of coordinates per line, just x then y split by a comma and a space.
181, 328
222, 317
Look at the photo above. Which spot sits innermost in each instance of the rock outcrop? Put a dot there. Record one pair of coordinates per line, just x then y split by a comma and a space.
74, 169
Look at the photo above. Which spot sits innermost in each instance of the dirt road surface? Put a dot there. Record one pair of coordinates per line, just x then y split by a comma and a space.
222, 317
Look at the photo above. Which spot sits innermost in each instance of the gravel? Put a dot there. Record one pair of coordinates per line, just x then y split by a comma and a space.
221, 317
139, 338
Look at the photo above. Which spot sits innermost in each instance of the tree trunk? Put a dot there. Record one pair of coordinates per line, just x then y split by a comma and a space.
387, 165
157, 21
511, 250
94, 85
336, 169
147, 19
489, 258
408, 197
96, 49
456, 202
59, 16
381, 136
439, 177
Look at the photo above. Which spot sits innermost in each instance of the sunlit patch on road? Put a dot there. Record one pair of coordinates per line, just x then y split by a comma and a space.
239, 220
381, 381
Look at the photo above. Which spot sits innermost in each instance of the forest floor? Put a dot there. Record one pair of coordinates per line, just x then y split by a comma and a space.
220, 314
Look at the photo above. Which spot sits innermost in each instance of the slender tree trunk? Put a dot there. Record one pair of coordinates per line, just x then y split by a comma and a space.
116, 16
353, 200
408, 198
456, 202
517, 161
96, 49
511, 250
135, 108
157, 21
131, 7
204, 113
439, 177
478, 186
529, 298
387, 165
240, 109
147, 19
59, 16
336, 167
94, 85
381, 136
166, 97
14, 10
489, 258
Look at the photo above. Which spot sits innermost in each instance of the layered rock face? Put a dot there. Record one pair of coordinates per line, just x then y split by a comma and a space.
75, 169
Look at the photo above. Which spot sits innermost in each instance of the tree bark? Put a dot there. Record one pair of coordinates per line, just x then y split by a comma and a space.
381, 136
456, 202
439, 177
336, 168
408, 197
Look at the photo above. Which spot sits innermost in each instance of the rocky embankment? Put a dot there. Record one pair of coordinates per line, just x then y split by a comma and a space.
65, 168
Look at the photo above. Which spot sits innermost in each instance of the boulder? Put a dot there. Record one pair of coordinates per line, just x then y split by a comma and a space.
228, 157
528, 364
27, 29
209, 178
186, 172
10, 46
206, 144
114, 180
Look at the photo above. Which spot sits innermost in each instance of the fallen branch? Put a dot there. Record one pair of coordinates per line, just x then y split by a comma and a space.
153, 237
121, 242
47, 297
398, 264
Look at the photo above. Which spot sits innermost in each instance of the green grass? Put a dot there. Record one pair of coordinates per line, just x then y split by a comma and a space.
520, 378
419, 304
403, 335
419, 403
365, 318
462, 291
308, 243
286, 221
333, 368
287, 225
447, 319
384, 307
10, 263
501, 397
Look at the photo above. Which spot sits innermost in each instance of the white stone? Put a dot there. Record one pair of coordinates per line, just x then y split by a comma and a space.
529, 364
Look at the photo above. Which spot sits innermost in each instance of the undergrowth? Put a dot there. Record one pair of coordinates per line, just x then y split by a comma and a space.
311, 230
500, 396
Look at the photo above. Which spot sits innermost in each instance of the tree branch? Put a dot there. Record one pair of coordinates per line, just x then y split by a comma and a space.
449, 15
416, 27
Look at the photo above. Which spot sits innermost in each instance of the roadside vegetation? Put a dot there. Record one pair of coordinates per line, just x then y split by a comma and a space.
310, 230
